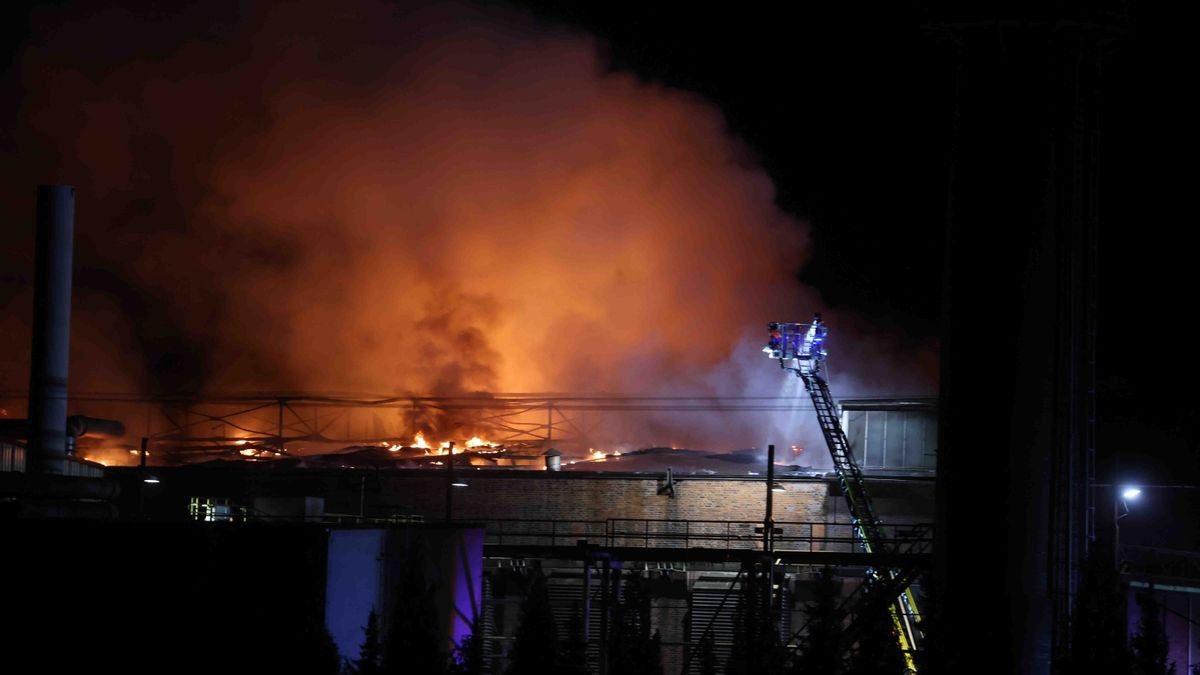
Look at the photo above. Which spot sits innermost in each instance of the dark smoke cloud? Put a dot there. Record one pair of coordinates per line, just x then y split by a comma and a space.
432, 199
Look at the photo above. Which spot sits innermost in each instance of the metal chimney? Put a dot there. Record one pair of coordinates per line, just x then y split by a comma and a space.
553, 460
51, 329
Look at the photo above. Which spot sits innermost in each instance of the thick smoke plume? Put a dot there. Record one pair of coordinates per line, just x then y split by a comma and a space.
381, 199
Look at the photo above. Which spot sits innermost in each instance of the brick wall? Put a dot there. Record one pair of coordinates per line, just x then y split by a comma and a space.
572, 496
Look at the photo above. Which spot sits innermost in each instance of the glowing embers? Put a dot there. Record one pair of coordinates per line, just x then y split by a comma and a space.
258, 451
595, 455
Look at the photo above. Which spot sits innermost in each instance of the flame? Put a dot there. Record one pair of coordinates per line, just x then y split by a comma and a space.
247, 452
477, 442
595, 454
419, 441
393, 448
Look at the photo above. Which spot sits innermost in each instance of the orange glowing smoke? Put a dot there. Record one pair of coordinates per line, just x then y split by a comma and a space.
525, 220
434, 200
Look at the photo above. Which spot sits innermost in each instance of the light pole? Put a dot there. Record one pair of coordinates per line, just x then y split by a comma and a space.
451, 481
1124, 494
769, 520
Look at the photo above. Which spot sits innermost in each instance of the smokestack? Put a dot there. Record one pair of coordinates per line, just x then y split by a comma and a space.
51, 329
553, 460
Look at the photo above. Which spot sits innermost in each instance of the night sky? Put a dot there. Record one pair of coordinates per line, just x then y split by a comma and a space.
848, 108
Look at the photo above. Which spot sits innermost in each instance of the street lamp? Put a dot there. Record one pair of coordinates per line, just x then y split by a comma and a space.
768, 528
451, 481
1127, 493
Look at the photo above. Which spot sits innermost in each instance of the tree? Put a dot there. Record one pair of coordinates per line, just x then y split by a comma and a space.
468, 654
756, 644
633, 648
575, 649
1150, 643
821, 650
706, 656
878, 651
1098, 634
370, 654
929, 626
413, 644
535, 649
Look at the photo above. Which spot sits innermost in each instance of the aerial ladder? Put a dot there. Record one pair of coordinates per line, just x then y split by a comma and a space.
800, 348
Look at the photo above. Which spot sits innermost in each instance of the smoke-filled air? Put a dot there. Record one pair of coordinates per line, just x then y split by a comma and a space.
392, 199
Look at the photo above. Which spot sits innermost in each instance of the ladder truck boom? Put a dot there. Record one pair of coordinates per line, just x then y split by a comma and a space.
800, 348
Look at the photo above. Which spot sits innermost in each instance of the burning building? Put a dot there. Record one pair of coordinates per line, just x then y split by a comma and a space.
313, 236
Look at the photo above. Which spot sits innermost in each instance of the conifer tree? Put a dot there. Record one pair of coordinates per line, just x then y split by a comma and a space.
1098, 634
468, 655
706, 655
878, 651
575, 649
821, 653
370, 654
535, 650
413, 643
1150, 643
633, 648
756, 644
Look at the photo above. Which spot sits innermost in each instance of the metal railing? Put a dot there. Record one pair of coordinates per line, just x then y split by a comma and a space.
706, 534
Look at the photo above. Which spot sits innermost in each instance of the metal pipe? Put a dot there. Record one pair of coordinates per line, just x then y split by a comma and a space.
58, 508
14, 484
51, 329
79, 426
